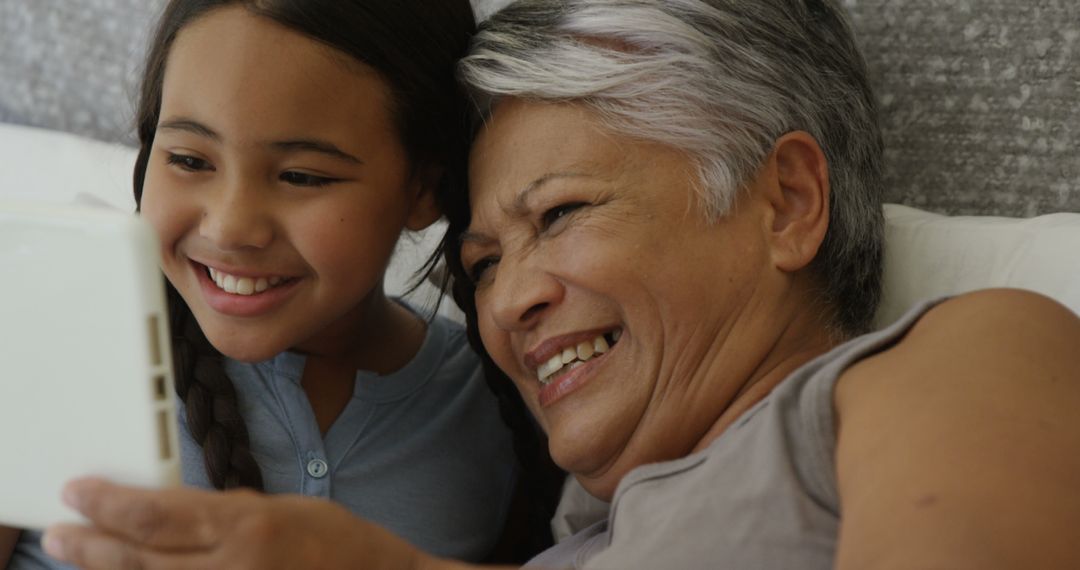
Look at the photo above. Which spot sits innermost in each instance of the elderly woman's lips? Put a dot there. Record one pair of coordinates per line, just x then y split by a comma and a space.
570, 356
575, 355
570, 379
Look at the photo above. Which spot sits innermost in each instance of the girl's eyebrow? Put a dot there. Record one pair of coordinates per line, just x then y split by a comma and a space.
304, 145
191, 126
312, 145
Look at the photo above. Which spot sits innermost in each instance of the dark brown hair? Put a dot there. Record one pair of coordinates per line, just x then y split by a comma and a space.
542, 480
413, 44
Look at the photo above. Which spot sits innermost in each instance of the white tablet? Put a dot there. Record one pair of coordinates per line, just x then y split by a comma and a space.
86, 382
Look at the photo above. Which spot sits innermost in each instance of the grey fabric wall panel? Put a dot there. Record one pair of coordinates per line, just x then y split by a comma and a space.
72, 65
980, 99
980, 102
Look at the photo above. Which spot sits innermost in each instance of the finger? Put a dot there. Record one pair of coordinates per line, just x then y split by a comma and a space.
171, 519
93, 549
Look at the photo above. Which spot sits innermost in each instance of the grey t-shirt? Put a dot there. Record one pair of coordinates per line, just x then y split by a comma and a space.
762, 496
422, 452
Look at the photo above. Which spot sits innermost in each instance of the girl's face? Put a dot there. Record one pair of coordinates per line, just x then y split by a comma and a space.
277, 185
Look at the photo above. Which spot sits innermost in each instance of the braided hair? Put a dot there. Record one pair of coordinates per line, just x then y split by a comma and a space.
211, 411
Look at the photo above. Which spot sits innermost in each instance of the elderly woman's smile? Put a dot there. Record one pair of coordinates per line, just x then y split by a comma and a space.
606, 293
557, 357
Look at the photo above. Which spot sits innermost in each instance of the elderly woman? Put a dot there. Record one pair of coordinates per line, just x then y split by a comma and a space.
672, 247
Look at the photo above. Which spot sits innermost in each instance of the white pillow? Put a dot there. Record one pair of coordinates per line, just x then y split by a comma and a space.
930, 255
51, 166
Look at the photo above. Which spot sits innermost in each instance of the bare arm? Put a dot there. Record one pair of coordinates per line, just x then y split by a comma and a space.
8, 537
960, 446
187, 528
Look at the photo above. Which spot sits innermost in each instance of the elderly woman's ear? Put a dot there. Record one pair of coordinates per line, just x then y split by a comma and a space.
793, 187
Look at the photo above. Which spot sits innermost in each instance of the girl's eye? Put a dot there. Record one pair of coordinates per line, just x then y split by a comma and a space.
189, 163
555, 214
480, 269
304, 179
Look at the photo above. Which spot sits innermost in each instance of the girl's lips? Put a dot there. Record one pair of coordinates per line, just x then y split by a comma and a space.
571, 381
242, 305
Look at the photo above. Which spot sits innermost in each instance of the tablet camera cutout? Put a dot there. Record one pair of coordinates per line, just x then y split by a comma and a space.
155, 340
164, 425
160, 388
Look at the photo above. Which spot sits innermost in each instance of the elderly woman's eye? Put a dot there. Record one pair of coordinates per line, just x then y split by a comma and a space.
479, 270
558, 212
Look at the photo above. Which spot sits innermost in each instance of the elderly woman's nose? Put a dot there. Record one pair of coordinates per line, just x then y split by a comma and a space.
521, 294
235, 216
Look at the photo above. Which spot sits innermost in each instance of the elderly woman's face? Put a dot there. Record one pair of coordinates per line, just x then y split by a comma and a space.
603, 291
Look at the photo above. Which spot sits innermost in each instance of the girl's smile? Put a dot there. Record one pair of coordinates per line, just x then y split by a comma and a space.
239, 296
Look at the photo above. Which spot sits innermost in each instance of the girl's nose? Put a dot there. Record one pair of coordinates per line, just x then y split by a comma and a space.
237, 216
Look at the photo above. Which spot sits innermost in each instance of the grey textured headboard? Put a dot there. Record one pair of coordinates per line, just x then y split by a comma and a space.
980, 102
72, 65
980, 99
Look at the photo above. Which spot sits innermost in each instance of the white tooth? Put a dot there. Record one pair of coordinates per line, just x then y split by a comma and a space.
261, 285
616, 334
585, 351
554, 363
550, 367
220, 280
245, 286
229, 284
600, 345
213, 273
274, 281
568, 355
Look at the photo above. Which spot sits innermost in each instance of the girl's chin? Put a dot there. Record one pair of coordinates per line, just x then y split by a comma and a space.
255, 351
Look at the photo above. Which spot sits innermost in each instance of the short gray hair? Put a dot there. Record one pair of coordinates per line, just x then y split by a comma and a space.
720, 80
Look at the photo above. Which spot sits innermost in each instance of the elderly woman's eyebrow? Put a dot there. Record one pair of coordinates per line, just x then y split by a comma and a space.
520, 204
473, 237
520, 207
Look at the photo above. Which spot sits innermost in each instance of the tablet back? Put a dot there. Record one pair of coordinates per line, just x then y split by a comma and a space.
85, 370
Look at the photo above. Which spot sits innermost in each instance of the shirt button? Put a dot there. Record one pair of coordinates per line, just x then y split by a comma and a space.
317, 468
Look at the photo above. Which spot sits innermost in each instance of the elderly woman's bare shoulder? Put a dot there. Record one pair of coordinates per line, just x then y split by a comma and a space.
963, 435
994, 315
1008, 335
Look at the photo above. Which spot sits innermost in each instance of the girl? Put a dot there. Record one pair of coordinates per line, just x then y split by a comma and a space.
284, 148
